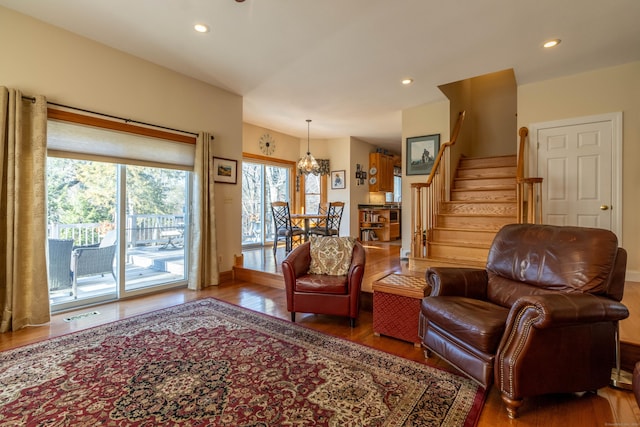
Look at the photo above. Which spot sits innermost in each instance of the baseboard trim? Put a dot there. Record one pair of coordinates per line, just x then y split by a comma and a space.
225, 276
632, 276
263, 278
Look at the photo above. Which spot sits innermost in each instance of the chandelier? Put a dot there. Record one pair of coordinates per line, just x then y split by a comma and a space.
308, 164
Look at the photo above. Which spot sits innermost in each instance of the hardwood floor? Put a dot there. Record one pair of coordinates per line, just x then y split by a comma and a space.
609, 407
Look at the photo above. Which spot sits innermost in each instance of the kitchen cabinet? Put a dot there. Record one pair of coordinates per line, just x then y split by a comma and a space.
382, 179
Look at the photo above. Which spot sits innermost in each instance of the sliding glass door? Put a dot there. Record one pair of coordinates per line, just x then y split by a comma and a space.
156, 220
114, 230
262, 184
82, 230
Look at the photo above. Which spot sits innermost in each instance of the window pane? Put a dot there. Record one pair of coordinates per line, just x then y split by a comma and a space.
155, 226
312, 203
81, 210
312, 184
261, 184
312, 193
276, 187
251, 203
276, 184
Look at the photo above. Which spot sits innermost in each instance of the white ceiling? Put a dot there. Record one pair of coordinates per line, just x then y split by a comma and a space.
340, 62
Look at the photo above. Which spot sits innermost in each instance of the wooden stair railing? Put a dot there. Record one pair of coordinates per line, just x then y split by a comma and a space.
426, 197
528, 190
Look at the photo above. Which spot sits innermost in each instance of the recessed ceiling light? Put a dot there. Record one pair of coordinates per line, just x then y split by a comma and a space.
201, 28
551, 43
407, 81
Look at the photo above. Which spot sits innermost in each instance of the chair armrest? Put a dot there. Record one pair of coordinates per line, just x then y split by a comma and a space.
356, 270
87, 248
555, 310
453, 281
95, 245
297, 262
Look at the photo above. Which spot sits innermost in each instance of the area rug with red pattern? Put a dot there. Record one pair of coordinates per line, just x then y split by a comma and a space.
209, 363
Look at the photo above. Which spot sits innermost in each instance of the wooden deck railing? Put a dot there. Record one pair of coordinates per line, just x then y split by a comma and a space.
528, 190
426, 197
141, 230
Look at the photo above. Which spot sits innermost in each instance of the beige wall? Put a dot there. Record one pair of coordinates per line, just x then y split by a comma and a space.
490, 123
287, 146
339, 158
426, 119
41, 59
494, 104
359, 194
602, 91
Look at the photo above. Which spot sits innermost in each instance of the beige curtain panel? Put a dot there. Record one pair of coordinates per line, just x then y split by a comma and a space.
24, 295
203, 269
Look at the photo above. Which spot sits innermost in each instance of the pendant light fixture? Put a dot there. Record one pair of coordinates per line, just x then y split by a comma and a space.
308, 164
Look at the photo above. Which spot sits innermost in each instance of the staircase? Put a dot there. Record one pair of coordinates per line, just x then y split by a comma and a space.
482, 200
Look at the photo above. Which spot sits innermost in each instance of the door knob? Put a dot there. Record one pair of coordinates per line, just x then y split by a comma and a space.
604, 207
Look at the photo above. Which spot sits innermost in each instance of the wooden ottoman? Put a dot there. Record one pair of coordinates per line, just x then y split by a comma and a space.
396, 306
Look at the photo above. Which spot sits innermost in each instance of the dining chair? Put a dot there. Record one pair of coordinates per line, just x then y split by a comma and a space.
330, 226
284, 227
323, 208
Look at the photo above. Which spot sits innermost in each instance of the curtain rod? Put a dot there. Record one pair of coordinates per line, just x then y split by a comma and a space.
32, 99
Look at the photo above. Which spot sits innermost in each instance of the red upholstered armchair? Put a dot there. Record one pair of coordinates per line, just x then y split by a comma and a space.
321, 293
541, 318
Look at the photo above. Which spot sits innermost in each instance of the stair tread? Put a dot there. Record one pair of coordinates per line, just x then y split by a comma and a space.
489, 157
484, 178
466, 202
493, 187
458, 229
487, 167
506, 156
471, 214
477, 245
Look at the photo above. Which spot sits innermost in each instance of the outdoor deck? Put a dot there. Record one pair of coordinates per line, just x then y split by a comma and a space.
146, 266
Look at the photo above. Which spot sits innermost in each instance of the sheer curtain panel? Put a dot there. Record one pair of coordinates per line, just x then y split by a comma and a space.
203, 270
24, 296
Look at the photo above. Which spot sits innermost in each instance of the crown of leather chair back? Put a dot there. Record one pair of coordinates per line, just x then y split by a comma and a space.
551, 258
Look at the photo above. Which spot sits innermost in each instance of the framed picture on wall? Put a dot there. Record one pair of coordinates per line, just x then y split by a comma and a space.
225, 170
421, 153
338, 180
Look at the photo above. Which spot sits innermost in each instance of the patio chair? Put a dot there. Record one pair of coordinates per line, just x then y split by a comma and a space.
58, 266
94, 260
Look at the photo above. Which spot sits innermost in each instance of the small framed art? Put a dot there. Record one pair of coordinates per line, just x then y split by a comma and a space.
225, 170
421, 153
338, 180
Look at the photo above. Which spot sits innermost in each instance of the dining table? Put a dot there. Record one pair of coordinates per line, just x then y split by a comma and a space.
306, 218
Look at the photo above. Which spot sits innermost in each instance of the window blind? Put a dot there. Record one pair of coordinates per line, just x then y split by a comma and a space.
66, 139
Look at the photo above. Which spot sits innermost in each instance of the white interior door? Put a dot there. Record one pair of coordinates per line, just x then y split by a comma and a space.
579, 160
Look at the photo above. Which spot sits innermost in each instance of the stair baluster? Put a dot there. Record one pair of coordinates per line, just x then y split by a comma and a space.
529, 190
426, 197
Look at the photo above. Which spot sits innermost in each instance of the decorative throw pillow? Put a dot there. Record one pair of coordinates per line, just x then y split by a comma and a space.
331, 255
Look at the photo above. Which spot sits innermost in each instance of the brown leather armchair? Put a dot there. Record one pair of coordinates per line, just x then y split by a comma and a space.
541, 318
319, 293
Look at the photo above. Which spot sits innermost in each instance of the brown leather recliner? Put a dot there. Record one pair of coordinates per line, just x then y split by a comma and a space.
635, 382
319, 293
539, 319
